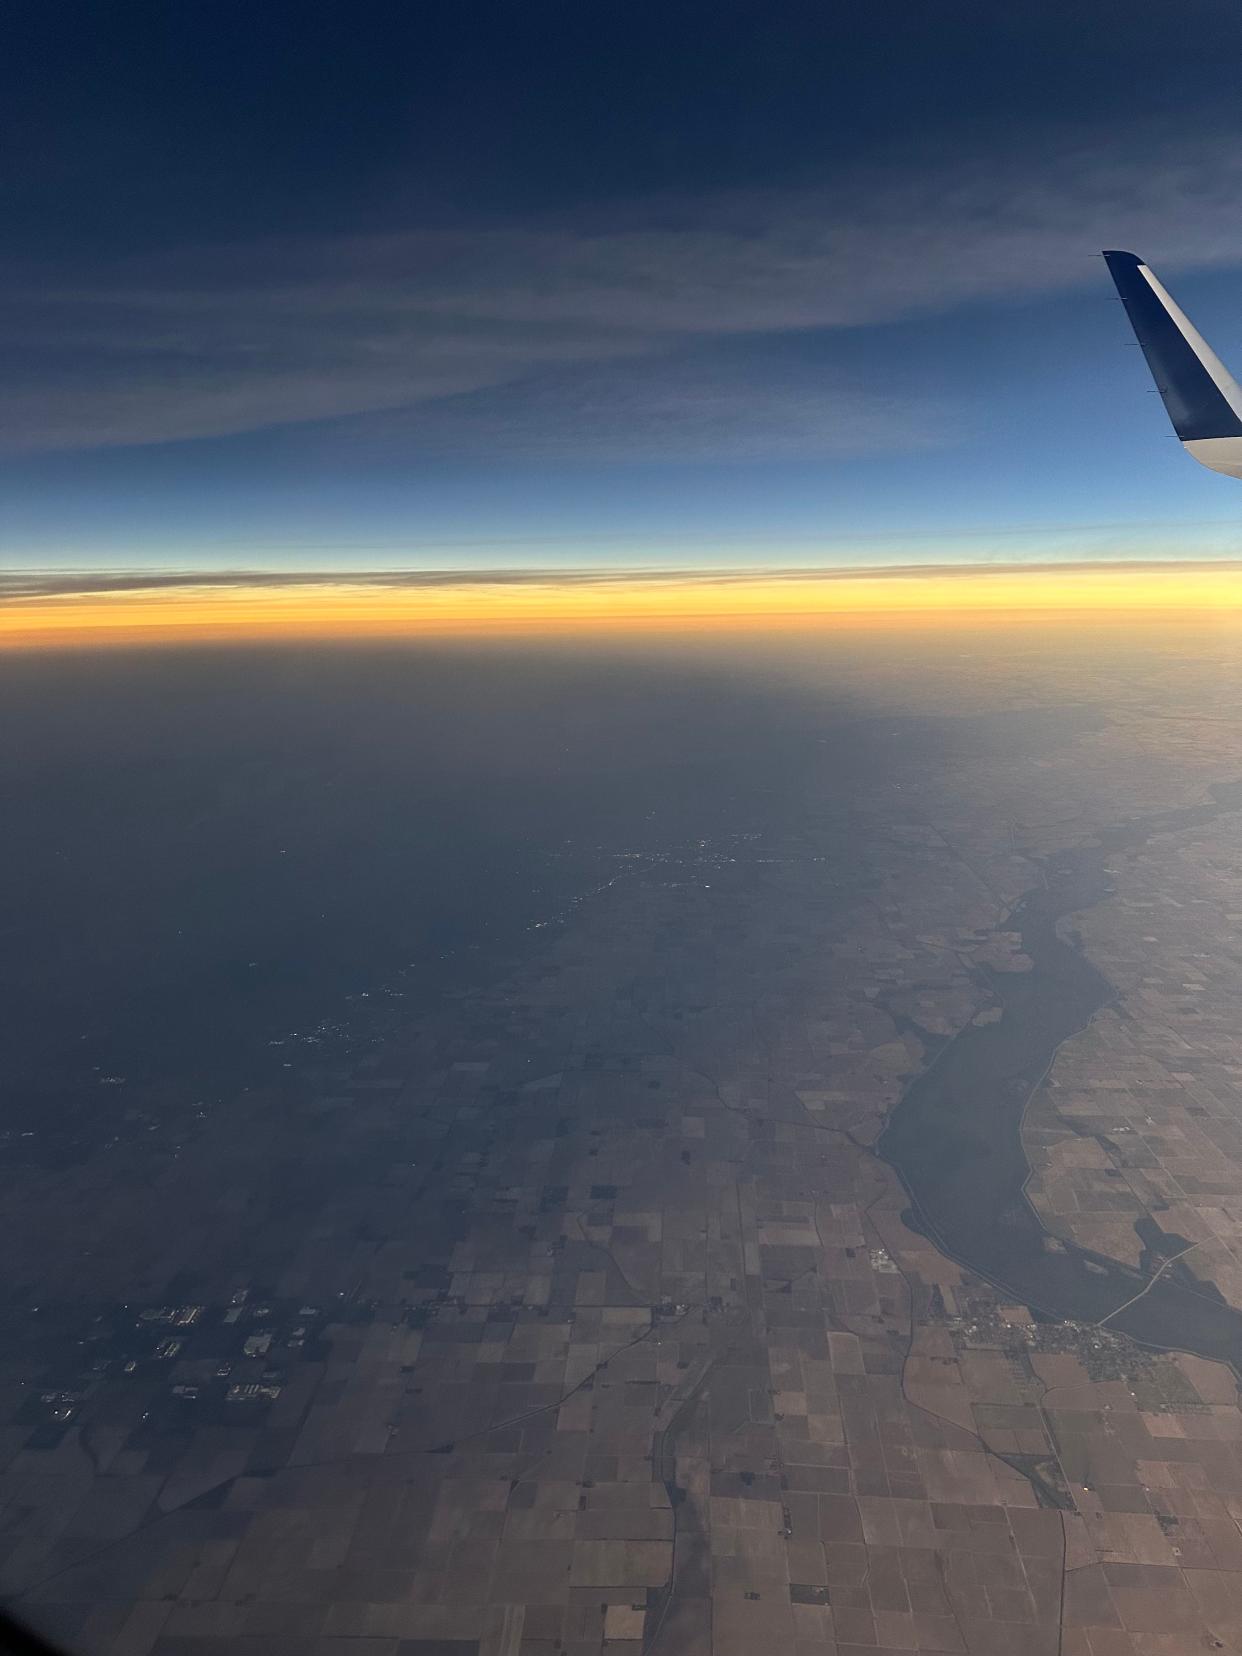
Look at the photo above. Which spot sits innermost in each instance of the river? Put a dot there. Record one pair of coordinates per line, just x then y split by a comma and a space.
955, 1136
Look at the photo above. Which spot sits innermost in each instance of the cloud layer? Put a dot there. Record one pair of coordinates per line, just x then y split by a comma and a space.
17, 587
574, 337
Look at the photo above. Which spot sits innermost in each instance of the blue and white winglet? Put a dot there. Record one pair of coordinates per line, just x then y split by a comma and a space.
1203, 399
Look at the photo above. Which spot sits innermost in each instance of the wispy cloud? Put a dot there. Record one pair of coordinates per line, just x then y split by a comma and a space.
36, 585
697, 404
599, 331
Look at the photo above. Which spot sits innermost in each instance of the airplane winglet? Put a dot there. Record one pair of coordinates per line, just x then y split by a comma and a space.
1202, 398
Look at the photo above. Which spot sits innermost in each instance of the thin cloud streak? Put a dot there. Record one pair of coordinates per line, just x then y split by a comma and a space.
17, 587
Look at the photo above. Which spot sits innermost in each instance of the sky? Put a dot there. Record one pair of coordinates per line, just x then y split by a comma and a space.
591, 286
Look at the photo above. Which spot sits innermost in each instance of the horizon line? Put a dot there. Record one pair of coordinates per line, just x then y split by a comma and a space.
63, 611
54, 581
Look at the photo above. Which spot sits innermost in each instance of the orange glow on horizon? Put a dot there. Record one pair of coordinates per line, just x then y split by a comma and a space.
373, 608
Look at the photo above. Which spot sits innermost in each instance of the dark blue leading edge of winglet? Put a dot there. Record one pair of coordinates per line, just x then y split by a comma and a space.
1195, 403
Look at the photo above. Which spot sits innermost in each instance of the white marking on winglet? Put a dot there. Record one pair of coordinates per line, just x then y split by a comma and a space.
1218, 454
1216, 370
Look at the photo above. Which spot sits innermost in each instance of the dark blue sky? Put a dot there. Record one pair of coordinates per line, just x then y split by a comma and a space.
423, 283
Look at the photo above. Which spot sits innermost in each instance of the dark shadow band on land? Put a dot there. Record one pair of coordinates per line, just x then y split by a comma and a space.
17, 1640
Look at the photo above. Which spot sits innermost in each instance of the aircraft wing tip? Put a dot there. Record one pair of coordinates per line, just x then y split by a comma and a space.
1200, 395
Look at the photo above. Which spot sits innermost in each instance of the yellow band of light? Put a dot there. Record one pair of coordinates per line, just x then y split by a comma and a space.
342, 608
